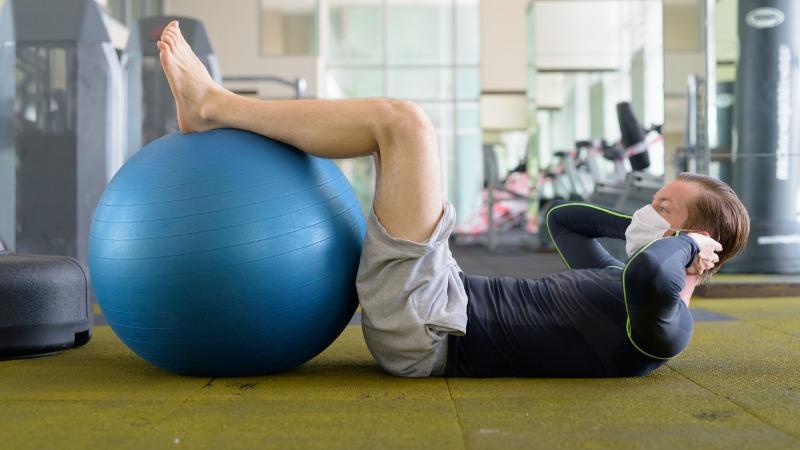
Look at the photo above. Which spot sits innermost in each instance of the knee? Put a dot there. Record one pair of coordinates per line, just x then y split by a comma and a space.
402, 119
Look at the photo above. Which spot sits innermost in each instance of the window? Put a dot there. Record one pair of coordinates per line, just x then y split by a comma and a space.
426, 51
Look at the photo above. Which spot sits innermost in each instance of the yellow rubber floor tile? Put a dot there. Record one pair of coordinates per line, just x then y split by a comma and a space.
124, 383
789, 326
325, 385
736, 386
118, 424
752, 366
104, 349
705, 422
366, 423
345, 371
753, 278
662, 410
10, 363
661, 382
751, 309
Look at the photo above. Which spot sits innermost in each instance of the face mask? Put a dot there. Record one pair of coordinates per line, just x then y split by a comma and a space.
646, 226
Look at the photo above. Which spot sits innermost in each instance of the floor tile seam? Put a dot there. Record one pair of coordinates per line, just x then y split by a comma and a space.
209, 383
458, 414
738, 404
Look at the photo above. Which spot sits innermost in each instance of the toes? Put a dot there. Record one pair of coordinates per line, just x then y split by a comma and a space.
171, 28
167, 39
178, 37
170, 34
177, 40
164, 54
174, 29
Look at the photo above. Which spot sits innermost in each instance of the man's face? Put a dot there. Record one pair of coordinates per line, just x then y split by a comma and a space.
672, 202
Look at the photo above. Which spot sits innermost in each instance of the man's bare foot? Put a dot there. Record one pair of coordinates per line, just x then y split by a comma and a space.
196, 93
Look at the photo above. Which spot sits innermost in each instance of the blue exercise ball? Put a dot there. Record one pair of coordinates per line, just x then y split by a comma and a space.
225, 253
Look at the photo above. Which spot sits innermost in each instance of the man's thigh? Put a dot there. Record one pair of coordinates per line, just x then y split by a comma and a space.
408, 197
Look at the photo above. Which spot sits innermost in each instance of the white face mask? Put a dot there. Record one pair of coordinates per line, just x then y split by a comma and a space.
646, 226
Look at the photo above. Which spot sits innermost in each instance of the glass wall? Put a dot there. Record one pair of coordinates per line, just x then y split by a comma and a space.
577, 101
426, 51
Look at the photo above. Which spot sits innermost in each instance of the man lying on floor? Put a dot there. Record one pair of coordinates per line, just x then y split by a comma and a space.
421, 315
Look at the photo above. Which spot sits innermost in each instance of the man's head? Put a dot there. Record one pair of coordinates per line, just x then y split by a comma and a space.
702, 203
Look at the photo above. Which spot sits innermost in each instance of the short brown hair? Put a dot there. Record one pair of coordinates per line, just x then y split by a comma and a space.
718, 211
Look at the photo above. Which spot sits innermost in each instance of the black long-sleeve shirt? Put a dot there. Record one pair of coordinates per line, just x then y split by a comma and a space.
601, 318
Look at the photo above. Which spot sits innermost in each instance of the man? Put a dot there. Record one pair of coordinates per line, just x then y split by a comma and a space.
421, 315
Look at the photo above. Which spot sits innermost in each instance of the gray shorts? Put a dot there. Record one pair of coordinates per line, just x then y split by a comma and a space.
411, 298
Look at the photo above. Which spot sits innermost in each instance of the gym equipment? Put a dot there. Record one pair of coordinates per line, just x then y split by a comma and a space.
638, 187
60, 123
514, 204
44, 305
569, 174
584, 172
583, 175
698, 155
595, 153
298, 85
150, 103
766, 163
696, 140
633, 137
225, 253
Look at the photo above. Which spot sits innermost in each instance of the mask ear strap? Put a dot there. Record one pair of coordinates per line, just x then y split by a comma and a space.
678, 232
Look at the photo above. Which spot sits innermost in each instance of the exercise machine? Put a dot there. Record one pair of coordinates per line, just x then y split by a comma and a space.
626, 191
61, 128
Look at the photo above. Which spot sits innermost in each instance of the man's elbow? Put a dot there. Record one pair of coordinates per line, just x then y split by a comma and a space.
648, 272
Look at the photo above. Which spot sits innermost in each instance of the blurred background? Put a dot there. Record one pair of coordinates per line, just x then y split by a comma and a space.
533, 100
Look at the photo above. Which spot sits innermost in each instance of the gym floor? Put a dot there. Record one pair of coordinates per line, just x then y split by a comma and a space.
736, 386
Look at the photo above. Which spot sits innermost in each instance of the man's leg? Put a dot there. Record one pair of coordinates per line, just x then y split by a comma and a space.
408, 199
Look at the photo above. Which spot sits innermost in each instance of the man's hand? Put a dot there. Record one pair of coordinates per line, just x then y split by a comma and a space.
707, 258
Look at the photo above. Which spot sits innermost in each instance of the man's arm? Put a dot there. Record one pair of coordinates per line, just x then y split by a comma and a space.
659, 322
574, 227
